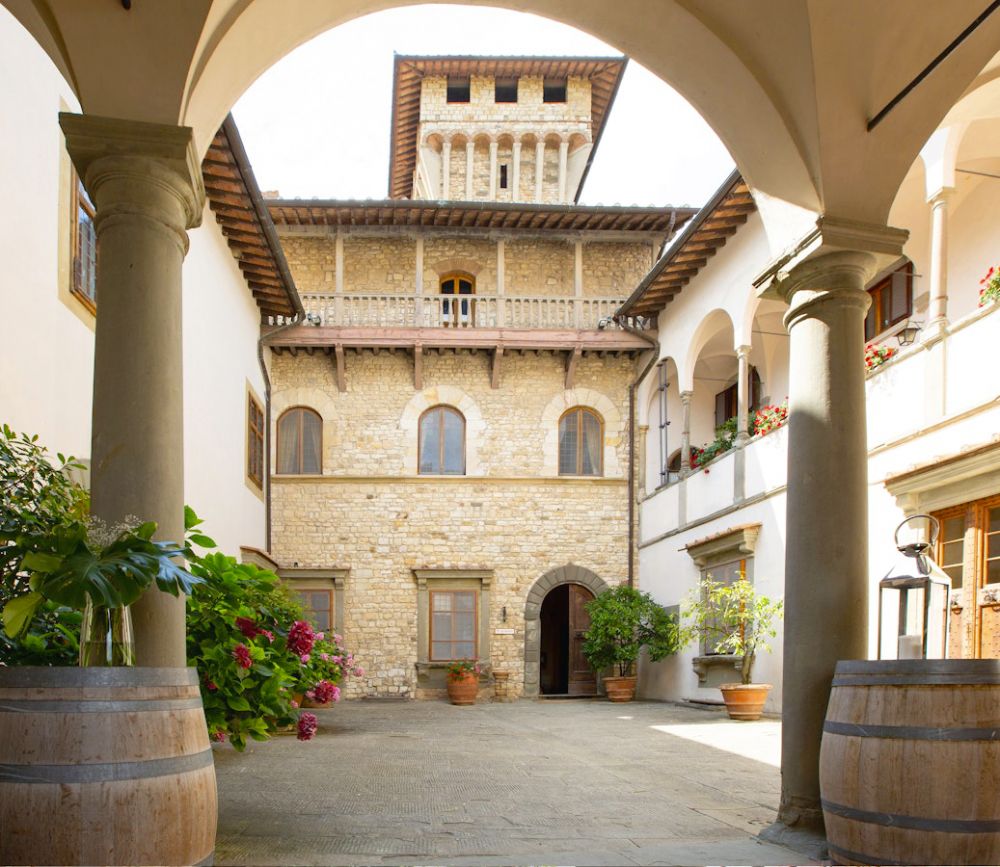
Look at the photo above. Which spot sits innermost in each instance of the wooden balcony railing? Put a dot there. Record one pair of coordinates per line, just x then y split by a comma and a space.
462, 311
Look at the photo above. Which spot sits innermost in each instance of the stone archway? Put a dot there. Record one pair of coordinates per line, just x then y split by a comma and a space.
568, 574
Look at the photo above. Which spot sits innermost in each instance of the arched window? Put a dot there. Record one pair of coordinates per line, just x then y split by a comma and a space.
458, 313
581, 440
441, 442
300, 442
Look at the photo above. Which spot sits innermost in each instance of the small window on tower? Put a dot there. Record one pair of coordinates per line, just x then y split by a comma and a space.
554, 90
506, 90
458, 88
503, 177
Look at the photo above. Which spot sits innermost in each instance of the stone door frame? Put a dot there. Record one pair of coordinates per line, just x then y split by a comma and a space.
568, 574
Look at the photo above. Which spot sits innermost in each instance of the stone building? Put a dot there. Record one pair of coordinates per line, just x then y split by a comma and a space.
453, 441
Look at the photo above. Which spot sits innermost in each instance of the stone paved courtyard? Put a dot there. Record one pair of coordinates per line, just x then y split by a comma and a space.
570, 782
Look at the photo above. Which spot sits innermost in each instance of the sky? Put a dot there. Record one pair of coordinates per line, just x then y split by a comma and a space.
316, 125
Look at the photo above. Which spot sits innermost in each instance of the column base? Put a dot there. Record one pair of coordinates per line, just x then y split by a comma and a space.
801, 813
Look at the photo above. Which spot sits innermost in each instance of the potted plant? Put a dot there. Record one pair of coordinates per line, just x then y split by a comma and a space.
622, 622
732, 618
463, 681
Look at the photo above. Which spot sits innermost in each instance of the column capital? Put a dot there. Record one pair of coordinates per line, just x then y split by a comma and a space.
836, 249
686, 396
140, 154
940, 196
743, 351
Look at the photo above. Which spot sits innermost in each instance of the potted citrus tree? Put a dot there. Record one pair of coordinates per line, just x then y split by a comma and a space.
463, 681
622, 622
734, 619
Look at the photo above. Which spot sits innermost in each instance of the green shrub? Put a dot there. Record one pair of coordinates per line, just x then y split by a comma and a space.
622, 622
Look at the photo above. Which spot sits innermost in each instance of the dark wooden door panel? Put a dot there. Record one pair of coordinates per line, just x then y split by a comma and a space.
581, 679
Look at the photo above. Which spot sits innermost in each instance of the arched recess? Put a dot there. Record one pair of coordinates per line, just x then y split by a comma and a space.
448, 395
614, 428
568, 574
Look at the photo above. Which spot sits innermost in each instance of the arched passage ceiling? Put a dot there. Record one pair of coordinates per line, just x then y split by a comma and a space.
788, 85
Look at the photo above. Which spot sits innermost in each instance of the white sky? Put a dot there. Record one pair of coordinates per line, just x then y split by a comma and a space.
317, 123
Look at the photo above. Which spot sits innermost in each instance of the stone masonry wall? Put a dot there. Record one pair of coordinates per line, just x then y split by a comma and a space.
369, 514
540, 268
380, 265
614, 269
312, 262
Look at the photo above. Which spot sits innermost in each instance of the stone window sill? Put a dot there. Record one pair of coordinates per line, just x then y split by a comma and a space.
703, 664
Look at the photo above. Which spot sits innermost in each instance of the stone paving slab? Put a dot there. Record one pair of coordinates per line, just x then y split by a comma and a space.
585, 782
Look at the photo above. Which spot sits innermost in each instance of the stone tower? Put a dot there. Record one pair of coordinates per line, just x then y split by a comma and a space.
498, 129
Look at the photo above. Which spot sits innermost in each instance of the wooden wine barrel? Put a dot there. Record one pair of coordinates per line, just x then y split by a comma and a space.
910, 762
104, 766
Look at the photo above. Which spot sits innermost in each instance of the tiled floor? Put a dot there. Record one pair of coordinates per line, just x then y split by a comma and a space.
572, 782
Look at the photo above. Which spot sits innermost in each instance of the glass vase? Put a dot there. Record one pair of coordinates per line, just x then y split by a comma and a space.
106, 636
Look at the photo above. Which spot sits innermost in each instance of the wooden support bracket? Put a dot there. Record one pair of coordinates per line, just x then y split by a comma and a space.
571, 362
338, 355
495, 368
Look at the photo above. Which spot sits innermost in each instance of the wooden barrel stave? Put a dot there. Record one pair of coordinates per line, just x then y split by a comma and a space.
93, 772
910, 762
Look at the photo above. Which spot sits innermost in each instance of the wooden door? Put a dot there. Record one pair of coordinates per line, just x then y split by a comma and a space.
581, 678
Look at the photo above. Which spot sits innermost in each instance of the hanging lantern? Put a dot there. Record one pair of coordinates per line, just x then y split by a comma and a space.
913, 601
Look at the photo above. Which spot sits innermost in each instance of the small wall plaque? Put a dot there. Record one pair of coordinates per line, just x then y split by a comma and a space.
503, 631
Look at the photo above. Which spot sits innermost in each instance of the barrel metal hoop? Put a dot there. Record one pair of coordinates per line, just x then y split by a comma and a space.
916, 680
105, 773
919, 668
88, 706
910, 733
847, 855
82, 678
914, 823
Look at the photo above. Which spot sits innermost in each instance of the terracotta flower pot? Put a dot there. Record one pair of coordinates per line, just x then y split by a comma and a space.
620, 688
463, 688
745, 701
308, 702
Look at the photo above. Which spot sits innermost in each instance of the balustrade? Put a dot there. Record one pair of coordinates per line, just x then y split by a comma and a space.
456, 311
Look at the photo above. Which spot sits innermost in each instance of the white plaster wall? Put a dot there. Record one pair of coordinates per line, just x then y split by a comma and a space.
221, 328
47, 341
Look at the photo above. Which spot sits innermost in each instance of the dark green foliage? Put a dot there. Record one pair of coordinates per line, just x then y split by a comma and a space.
622, 622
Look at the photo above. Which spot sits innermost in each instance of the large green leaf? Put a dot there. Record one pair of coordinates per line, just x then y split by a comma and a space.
17, 613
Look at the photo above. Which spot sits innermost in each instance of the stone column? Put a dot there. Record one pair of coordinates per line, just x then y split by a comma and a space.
686, 433
826, 539
578, 286
338, 280
938, 313
145, 182
501, 279
446, 170
470, 159
563, 157
493, 171
743, 395
515, 183
539, 169
418, 283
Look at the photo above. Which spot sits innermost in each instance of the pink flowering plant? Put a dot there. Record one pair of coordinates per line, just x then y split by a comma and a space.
990, 286
461, 668
247, 635
877, 355
327, 664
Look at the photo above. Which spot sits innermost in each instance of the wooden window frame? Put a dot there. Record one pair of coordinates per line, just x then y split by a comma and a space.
79, 199
454, 316
881, 295
452, 641
301, 451
329, 593
579, 442
442, 407
255, 442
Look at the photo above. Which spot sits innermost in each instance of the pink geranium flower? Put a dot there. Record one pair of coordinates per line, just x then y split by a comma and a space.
359, 671
241, 654
301, 638
307, 727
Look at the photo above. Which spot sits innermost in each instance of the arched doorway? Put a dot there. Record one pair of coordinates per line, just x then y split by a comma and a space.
563, 620
554, 592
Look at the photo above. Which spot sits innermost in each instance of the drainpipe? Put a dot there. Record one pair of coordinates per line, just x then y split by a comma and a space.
267, 425
620, 321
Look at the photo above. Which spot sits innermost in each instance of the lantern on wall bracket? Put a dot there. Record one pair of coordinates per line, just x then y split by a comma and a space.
908, 334
913, 601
